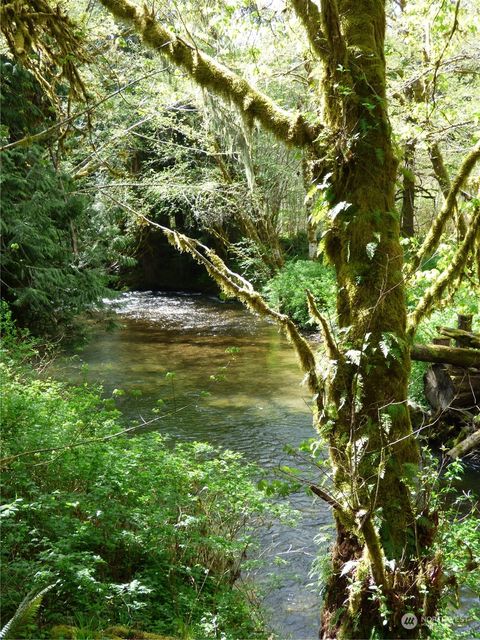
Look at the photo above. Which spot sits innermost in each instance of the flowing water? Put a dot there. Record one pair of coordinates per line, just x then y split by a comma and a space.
250, 401
216, 373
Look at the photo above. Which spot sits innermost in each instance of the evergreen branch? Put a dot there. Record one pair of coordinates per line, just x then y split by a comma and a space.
209, 74
445, 280
436, 230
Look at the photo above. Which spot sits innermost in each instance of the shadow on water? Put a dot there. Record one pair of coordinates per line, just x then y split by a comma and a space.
249, 401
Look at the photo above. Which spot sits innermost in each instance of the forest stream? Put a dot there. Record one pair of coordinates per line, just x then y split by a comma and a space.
256, 405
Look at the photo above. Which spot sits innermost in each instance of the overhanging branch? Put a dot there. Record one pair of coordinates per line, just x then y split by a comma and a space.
237, 286
291, 128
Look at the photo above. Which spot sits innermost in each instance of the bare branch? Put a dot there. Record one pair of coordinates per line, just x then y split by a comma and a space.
289, 127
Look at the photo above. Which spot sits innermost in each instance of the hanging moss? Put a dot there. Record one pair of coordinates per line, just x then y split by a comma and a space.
292, 129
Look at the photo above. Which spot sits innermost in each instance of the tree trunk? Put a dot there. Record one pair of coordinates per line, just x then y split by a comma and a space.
408, 195
365, 418
467, 445
446, 355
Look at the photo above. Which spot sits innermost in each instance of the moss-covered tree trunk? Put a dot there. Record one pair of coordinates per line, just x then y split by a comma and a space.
366, 418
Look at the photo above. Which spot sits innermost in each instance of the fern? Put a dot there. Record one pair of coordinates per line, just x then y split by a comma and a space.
24, 615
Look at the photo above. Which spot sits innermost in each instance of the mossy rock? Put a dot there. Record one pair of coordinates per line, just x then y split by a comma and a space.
63, 632
124, 633
66, 632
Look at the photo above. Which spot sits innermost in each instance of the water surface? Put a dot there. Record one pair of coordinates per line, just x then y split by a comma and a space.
250, 401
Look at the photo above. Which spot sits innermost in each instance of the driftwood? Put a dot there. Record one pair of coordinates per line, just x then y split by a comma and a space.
446, 355
465, 446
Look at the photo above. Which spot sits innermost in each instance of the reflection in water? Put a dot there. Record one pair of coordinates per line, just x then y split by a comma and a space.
255, 405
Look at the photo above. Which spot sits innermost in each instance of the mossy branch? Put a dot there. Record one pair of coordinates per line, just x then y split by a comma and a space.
236, 286
330, 344
439, 169
323, 29
47, 43
434, 293
374, 548
309, 15
436, 230
291, 128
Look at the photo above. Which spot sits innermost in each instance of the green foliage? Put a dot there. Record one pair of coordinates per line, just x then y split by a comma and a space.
24, 615
286, 291
51, 270
132, 531
456, 546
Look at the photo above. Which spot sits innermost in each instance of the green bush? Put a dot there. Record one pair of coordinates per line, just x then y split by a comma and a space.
286, 291
129, 531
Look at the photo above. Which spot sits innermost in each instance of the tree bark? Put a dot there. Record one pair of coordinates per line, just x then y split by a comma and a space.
464, 447
366, 419
446, 355
408, 195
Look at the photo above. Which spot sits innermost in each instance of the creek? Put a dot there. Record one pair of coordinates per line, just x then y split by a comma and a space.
216, 373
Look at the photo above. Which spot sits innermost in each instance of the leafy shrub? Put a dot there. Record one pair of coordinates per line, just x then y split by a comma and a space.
130, 531
286, 290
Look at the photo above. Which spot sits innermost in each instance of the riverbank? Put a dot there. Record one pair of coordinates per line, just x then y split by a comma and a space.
122, 532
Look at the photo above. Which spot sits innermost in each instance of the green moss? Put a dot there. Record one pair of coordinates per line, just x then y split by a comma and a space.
63, 632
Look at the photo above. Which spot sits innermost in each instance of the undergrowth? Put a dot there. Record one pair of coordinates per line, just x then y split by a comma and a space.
129, 530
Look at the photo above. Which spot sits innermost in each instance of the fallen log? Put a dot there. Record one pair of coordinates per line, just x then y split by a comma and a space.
446, 355
462, 338
465, 446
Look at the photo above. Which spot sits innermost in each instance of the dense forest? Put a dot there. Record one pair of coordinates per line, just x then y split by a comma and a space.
315, 161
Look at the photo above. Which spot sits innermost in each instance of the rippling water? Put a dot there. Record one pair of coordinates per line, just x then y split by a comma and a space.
256, 405
251, 401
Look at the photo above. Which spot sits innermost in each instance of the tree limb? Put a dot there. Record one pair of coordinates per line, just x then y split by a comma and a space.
433, 237
442, 354
465, 446
331, 347
309, 15
443, 179
289, 127
453, 271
